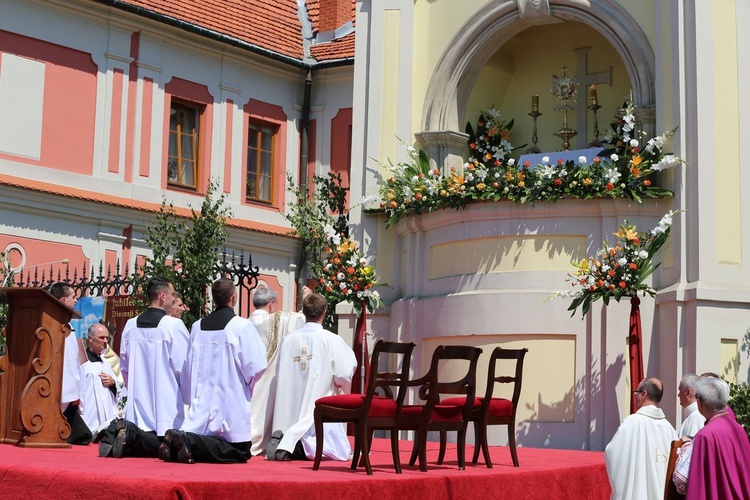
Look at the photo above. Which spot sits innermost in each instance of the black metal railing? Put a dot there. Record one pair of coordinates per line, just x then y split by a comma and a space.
91, 283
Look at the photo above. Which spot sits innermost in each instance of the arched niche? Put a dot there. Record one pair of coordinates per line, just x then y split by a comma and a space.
492, 27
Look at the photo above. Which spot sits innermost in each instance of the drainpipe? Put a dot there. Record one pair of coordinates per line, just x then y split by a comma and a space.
303, 175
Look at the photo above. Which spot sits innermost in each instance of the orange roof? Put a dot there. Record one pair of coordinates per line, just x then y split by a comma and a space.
271, 25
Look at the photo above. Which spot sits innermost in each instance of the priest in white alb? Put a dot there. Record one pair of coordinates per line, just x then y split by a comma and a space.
313, 363
273, 326
100, 388
225, 358
636, 458
693, 421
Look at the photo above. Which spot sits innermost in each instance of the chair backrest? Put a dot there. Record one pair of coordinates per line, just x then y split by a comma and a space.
385, 379
464, 385
670, 490
493, 378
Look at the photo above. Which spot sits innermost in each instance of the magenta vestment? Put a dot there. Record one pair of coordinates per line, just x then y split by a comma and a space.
720, 466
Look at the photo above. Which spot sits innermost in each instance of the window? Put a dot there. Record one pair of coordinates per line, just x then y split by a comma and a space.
261, 142
182, 159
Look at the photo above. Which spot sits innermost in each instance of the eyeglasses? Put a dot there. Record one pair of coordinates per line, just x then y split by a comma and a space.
638, 392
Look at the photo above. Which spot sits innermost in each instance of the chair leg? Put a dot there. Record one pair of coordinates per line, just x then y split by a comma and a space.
395, 451
414, 450
422, 441
485, 446
318, 440
477, 442
366, 449
461, 450
441, 454
357, 444
512, 442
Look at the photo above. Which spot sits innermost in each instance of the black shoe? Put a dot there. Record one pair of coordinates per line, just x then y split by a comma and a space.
105, 449
166, 452
273, 444
121, 439
179, 447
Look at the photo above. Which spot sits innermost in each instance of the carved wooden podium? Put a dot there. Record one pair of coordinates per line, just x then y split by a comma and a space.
31, 385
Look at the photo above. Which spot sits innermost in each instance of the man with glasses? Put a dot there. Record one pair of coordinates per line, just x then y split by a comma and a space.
636, 458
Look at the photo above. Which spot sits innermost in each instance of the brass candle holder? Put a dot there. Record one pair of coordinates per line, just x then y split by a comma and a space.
596, 142
534, 149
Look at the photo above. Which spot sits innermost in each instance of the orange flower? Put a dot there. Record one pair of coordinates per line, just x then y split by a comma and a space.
508, 176
393, 204
521, 184
623, 284
635, 171
636, 160
558, 182
609, 186
495, 185
647, 183
596, 159
350, 270
587, 181
633, 266
480, 186
505, 134
487, 156
526, 164
418, 196
521, 176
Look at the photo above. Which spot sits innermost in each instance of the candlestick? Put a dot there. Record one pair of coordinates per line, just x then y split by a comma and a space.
596, 142
535, 103
534, 149
593, 99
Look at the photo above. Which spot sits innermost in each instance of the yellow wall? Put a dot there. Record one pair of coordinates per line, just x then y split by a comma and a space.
548, 390
505, 254
726, 107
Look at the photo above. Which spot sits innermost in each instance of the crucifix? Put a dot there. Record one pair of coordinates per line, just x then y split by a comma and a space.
303, 362
586, 80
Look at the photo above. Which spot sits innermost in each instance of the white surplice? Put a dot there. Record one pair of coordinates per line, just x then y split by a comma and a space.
71, 379
151, 361
693, 421
313, 363
636, 458
272, 328
98, 403
221, 368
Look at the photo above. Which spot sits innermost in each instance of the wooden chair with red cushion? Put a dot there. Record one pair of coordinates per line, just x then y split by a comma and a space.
434, 415
494, 411
369, 411
670, 490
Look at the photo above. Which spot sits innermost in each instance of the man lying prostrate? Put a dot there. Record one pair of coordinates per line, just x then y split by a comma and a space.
313, 363
225, 358
152, 353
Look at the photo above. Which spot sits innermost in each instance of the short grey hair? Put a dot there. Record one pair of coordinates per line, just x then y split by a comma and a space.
263, 295
712, 392
688, 382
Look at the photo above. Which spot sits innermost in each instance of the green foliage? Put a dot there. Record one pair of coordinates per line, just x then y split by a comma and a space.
6, 279
184, 251
739, 401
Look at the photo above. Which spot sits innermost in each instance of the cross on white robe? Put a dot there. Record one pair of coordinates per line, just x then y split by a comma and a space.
329, 367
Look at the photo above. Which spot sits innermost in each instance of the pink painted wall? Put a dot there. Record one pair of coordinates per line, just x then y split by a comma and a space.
69, 103
43, 252
341, 146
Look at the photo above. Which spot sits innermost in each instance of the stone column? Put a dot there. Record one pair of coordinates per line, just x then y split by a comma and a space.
445, 148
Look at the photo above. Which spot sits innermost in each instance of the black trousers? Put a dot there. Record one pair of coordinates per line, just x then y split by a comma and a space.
79, 433
218, 450
139, 443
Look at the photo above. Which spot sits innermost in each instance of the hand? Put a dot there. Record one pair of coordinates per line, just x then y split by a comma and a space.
305, 292
107, 381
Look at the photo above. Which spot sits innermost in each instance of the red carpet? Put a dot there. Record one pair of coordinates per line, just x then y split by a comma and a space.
78, 473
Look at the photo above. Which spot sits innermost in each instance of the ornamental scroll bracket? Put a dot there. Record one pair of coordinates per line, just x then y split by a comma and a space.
536, 12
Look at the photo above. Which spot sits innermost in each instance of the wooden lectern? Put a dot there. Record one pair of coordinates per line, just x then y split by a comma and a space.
31, 385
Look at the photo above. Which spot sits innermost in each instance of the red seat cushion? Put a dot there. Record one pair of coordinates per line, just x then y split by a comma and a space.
499, 407
380, 407
441, 413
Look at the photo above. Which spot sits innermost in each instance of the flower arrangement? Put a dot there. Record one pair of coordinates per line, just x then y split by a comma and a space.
620, 270
347, 275
623, 170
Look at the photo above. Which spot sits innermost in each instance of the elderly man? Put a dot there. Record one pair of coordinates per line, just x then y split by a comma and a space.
313, 363
73, 357
717, 465
273, 326
693, 421
100, 386
636, 458
224, 359
153, 350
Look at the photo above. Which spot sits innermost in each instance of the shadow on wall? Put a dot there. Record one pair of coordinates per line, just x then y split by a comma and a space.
539, 432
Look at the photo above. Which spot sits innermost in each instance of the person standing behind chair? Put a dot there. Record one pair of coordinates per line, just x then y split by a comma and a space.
273, 326
693, 421
153, 350
225, 358
313, 363
636, 458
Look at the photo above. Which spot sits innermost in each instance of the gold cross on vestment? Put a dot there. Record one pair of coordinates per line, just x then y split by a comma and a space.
303, 362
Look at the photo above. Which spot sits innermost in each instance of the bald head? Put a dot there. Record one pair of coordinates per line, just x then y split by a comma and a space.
98, 338
650, 392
